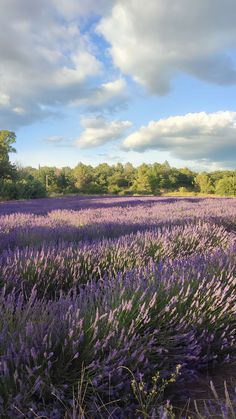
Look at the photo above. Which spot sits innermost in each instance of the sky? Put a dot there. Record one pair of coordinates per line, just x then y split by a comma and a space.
112, 81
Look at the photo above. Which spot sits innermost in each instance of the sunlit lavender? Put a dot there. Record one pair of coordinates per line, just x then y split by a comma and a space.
94, 289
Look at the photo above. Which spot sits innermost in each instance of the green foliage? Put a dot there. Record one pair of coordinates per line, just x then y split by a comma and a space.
8, 189
226, 186
142, 182
30, 188
16, 183
7, 138
183, 190
119, 179
21, 189
102, 174
204, 183
150, 400
83, 176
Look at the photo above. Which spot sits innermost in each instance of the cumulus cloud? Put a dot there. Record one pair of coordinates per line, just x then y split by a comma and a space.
45, 60
98, 131
156, 41
72, 8
112, 95
206, 136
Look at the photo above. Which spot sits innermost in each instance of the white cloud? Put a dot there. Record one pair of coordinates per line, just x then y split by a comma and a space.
4, 100
206, 136
72, 8
98, 131
112, 95
18, 110
83, 65
154, 41
45, 61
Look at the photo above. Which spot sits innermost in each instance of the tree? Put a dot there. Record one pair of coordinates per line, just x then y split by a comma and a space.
83, 175
142, 182
101, 175
48, 177
27, 185
7, 138
186, 178
204, 183
129, 173
226, 186
161, 177
166, 165
66, 180
116, 183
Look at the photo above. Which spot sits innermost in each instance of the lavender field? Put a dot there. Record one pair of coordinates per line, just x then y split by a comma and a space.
105, 300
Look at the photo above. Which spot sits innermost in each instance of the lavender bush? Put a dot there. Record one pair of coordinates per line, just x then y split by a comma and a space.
98, 287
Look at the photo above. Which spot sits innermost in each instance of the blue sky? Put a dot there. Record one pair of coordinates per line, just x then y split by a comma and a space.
114, 81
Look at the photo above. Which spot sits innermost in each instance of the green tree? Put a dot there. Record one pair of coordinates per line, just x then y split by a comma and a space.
66, 180
83, 175
129, 173
142, 181
186, 179
117, 182
204, 183
226, 186
101, 176
161, 176
7, 138
48, 177
27, 185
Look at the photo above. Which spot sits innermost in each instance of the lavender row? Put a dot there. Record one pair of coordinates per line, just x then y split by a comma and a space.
23, 229
77, 203
145, 321
53, 268
90, 286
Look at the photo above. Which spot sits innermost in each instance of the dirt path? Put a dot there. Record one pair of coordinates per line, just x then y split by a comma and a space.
200, 390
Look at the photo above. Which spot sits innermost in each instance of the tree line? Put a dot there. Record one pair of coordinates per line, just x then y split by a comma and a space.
118, 179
